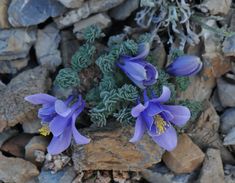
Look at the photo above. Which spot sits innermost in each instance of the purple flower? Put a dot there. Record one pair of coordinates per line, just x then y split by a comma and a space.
157, 118
60, 116
186, 65
142, 73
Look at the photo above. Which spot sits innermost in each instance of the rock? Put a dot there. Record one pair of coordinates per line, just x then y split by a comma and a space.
64, 176
89, 7
110, 149
124, 10
229, 172
216, 7
3, 14
46, 47
31, 126
227, 120
216, 102
15, 43
4, 136
16, 170
36, 143
13, 108
72, 3
212, 170
13, 66
225, 91
2, 86
230, 137
228, 46
102, 20
159, 54
185, 158
32, 12
205, 132
15, 145
69, 45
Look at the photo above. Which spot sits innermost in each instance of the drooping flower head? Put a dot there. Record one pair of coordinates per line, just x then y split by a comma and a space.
157, 118
186, 65
142, 73
60, 118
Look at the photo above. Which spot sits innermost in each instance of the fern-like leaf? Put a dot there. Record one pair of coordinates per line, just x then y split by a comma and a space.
124, 116
128, 92
92, 33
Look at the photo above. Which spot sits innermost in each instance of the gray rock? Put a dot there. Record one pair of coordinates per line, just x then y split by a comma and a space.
4, 136
37, 143
15, 43
89, 7
227, 120
46, 47
64, 176
69, 45
3, 14
72, 3
212, 170
216, 102
13, 66
13, 108
32, 12
2, 86
215, 7
230, 137
226, 93
124, 10
229, 46
102, 20
16, 170
31, 126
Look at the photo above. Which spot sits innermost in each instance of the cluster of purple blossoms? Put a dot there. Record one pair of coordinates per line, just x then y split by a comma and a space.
60, 117
153, 116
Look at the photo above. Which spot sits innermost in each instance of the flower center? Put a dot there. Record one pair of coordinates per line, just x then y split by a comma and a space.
160, 123
45, 131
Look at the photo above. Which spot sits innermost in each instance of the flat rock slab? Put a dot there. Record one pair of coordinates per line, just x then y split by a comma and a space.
185, 158
16, 170
212, 170
110, 149
13, 108
32, 12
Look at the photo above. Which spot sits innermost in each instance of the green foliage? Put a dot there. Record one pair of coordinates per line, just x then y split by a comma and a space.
128, 93
124, 116
93, 95
107, 83
83, 57
98, 118
176, 53
195, 108
106, 63
67, 78
110, 100
145, 38
92, 33
130, 47
182, 83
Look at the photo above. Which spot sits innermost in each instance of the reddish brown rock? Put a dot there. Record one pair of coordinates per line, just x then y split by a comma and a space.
185, 158
212, 170
13, 108
16, 170
205, 132
110, 149
16, 144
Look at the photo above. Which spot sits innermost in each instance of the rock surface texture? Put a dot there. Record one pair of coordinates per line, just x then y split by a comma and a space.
13, 108
110, 149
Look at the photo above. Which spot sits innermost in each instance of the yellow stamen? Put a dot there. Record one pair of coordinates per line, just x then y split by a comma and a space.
45, 131
160, 124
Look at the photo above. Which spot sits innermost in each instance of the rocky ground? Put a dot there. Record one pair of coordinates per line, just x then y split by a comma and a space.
38, 37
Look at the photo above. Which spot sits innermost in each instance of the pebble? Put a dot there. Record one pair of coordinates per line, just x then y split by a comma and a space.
16, 170
124, 10
212, 170
48, 40
32, 12
32, 126
185, 158
229, 46
230, 137
227, 120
